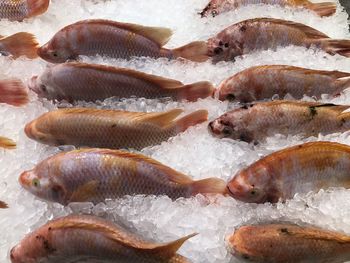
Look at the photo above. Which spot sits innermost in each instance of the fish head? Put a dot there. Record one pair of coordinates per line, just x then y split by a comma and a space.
44, 181
223, 48
211, 9
40, 130
232, 90
44, 86
231, 125
251, 185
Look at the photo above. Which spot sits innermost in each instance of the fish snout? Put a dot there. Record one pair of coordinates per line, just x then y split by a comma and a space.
24, 179
28, 130
33, 84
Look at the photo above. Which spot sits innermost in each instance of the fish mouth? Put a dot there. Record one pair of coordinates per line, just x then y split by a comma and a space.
33, 84
24, 179
28, 130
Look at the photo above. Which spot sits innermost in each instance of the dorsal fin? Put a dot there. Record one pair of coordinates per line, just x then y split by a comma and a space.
159, 35
164, 83
309, 31
172, 174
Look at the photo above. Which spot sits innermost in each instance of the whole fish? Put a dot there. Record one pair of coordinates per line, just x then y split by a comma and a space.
17, 10
263, 82
20, 44
268, 33
94, 175
83, 238
3, 205
289, 243
117, 40
299, 169
7, 143
90, 82
216, 7
110, 128
13, 92
256, 122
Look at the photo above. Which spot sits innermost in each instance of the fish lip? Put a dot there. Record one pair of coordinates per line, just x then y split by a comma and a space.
32, 85
230, 192
28, 130
23, 181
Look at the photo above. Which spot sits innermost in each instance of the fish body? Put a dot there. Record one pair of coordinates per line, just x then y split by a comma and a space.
94, 175
77, 238
90, 82
109, 128
17, 10
216, 7
19, 44
13, 92
288, 243
263, 82
113, 39
299, 169
267, 33
256, 122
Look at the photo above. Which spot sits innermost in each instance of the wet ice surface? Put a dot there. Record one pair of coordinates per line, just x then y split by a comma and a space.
194, 152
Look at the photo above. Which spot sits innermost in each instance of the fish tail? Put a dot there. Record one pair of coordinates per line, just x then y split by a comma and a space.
37, 7
3, 205
7, 143
13, 92
20, 44
341, 84
336, 46
323, 9
195, 91
192, 119
195, 51
179, 259
209, 186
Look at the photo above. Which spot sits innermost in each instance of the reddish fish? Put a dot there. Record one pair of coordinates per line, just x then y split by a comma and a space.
117, 40
20, 44
263, 82
13, 92
17, 10
97, 174
299, 169
90, 82
255, 122
110, 128
83, 238
216, 7
268, 33
288, 243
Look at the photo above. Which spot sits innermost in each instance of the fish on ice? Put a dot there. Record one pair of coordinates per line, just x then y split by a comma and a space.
19, 44
13, 92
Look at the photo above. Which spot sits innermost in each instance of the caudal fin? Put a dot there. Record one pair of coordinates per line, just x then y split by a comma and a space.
20, 44
195, 91
323, 9
209, 186
13, 92
192, 119
7, 143
37, 7
195, 51
336, 46
3, 205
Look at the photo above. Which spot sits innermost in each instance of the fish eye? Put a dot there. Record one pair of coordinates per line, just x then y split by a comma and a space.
214, 13
230, 97
226, 131
36, 182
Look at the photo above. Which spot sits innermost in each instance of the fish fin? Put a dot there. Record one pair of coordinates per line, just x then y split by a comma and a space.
192, 119
309, 31
13, 92
195, 51
334, 74
3, 205
85, 192
343, 83
161, 119
323, 9
159, 35
195, 91
37, 7
179, 259
209, 186
20, 44
336, 46
7, 143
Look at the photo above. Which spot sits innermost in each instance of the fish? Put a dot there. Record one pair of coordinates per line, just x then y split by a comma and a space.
18, 10
298, 169
94, 175
90, 82
255, 122
216, 7
7, 143
263, 82
267, 33
3, 205
13, 92
288, 243
19, 44
117, 40
110, 128
86, 238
